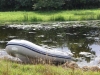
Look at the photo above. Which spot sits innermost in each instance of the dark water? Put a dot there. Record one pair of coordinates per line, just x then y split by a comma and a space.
82, 41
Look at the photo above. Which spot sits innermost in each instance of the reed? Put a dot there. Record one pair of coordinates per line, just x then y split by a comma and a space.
25, 17
57, 18
98, 17
35, 19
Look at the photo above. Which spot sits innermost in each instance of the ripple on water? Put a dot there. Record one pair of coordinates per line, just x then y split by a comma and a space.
3, 41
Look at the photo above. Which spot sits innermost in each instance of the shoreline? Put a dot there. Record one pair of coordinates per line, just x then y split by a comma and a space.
91, 23
70, 64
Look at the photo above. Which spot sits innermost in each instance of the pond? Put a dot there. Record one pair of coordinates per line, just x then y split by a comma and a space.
80, 38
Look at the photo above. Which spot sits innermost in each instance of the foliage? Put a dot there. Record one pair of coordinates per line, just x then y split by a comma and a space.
65, 4
24, 4
7, 4
47, 4
15, 5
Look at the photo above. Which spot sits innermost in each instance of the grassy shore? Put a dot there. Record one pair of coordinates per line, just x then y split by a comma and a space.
47, 16
13, 68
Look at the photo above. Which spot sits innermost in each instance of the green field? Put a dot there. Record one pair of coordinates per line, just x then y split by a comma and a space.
49, 16
13, 68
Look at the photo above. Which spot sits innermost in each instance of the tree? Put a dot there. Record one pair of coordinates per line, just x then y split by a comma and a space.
48, 4
7, 4
24, 4
16, 5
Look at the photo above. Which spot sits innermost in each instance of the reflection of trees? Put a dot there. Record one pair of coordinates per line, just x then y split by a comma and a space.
4, 34
7, 34
74, 38
52, 37
78, 42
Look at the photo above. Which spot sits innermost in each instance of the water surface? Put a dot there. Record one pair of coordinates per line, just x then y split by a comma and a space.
80, 38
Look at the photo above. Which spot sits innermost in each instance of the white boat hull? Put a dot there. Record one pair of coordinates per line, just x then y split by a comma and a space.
25, 50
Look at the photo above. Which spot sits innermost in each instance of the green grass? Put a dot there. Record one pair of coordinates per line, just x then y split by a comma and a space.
13, 68
47, 16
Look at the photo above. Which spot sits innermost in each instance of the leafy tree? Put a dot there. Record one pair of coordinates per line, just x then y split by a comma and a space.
48, 4
24, 4
16, 4
7, 4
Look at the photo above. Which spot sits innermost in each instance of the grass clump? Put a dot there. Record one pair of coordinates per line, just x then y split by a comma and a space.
25, 17
98, 17
57, 18
35, 19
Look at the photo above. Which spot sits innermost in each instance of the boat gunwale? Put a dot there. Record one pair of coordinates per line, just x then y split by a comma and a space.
41, 52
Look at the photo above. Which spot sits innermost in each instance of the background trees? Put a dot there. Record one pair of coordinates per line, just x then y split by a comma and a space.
47, 4
65, 4
15, 5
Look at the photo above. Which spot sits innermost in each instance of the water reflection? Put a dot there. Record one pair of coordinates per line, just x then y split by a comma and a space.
75, 39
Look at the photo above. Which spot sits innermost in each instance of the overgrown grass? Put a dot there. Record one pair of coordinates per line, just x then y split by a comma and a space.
45, 16
13, 68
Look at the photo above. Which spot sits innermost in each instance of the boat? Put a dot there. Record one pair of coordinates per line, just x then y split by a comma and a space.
26, 50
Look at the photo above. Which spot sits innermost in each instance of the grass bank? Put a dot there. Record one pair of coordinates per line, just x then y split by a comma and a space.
13, 68
47, 16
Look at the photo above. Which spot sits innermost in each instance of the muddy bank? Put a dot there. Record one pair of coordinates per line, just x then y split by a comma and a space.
74, 66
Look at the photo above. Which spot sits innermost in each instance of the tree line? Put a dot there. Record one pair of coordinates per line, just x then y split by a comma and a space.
47, 4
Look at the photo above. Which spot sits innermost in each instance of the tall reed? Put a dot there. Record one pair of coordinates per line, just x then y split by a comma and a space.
25, 17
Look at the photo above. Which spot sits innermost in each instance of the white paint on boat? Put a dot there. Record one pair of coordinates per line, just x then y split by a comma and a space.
24, 49
5, 55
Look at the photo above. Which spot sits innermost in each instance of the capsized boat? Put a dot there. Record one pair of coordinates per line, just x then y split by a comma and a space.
24, 50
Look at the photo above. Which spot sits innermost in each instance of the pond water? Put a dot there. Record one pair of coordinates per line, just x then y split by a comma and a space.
80, 38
